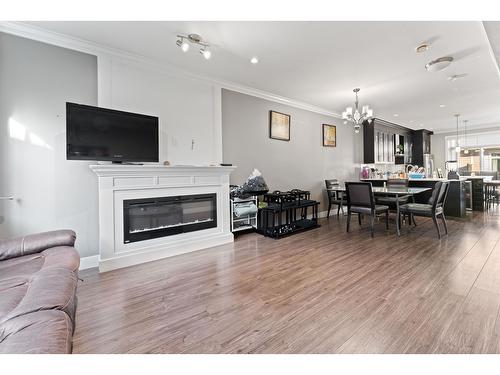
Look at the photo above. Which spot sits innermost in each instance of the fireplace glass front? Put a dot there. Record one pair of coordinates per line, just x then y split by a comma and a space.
149, 218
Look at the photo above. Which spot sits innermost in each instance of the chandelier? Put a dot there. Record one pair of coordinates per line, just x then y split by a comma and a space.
357, 117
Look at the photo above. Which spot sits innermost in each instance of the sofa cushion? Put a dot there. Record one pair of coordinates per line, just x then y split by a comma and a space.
35, 243
62, 256
42, 332
50, 288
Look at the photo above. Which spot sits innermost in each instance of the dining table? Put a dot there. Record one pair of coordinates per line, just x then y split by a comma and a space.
390, 191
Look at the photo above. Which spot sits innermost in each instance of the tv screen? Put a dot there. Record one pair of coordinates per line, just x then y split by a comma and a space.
102, 134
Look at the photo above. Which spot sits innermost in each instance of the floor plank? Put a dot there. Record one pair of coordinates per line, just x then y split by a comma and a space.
322, 291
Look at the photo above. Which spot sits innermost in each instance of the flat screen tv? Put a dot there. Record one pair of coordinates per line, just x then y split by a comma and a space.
101, 134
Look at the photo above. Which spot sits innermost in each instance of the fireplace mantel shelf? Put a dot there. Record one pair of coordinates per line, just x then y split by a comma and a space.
131, 169
119, 183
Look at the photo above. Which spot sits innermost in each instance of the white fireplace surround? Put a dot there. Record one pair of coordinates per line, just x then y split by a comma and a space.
121, 182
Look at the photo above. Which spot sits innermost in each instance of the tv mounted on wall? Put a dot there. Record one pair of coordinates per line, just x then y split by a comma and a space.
102, 134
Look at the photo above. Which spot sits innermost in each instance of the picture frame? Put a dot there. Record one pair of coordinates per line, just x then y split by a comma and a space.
329, 135
279, 126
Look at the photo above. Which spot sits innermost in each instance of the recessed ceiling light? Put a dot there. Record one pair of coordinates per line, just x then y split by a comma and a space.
439, 64
442, 106
421, 124
254, 60
396, 115
454, 77
412, 121
422, 48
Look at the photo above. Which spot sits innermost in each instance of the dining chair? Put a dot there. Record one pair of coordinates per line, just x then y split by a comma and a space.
395, 183
360, 200
433, 209
393, 201
334, 197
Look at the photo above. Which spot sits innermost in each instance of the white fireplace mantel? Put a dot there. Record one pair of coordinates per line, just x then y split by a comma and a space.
121, 182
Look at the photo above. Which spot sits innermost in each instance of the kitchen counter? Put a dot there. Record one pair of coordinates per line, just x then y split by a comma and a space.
462, 178
410, 179
456, 198
455, 203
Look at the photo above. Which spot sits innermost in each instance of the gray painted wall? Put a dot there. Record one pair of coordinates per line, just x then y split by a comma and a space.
301, 163
438, 149
36, 80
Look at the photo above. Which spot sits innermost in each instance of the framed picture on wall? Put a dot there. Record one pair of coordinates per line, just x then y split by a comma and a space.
279, 126
329, 135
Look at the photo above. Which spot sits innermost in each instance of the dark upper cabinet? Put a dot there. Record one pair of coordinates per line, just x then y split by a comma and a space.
368, 142
421, 146
385, 142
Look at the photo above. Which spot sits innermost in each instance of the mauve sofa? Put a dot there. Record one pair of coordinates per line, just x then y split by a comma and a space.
38, 280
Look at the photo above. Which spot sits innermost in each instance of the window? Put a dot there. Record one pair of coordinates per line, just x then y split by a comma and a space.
470, 160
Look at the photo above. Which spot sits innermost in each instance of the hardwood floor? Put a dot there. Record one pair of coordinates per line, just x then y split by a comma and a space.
322, 291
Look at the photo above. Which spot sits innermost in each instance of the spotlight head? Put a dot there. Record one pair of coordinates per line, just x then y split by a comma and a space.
182, 44
206, 53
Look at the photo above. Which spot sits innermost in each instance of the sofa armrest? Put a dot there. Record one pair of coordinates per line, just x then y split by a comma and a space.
35, 243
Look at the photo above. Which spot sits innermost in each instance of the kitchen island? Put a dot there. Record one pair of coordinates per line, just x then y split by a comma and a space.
457, 195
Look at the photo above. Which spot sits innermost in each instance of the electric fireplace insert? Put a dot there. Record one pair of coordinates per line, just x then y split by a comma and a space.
148, 218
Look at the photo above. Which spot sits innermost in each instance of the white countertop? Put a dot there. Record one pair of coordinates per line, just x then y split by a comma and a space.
462, 178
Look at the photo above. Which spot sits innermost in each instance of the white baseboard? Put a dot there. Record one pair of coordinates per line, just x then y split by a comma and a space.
89, 262
93, 261
162, 251
321, 214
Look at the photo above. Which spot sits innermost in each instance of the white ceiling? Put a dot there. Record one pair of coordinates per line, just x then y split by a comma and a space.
319, 63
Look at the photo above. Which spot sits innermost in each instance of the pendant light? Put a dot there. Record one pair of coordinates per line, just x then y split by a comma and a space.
466, 151
457, 148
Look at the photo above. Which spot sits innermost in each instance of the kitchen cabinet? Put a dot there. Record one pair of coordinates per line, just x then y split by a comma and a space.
421, 145
384, 146
379, 142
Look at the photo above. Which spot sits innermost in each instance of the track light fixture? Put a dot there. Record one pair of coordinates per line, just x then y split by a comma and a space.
185, 41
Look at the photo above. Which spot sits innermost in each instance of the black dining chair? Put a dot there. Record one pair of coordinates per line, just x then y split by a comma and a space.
360, 200
334, 197
433, 209
393, 201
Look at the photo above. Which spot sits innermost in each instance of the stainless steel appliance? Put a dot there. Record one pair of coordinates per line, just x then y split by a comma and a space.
452, 172
428, 164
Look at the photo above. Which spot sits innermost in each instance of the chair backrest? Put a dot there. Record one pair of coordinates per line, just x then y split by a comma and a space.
397, 182
435, 193
443, 193
331, 184
359, 194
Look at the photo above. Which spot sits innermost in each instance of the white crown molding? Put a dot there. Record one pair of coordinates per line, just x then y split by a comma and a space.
482, 128
102, 51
